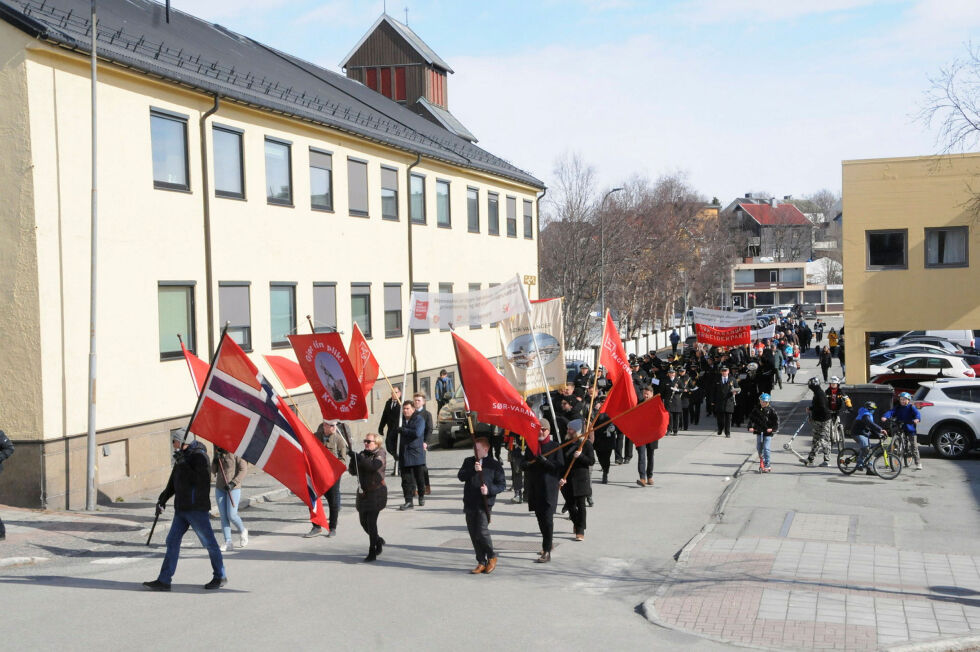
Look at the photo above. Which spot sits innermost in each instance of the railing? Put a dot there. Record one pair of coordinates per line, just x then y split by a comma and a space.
768, 285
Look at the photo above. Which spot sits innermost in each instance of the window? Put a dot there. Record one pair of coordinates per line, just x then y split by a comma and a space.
357, 192
233, 308
360, 306
947, 247
446, 309
389, 193
493, 213
812, 296
229, 166
420, 287
472, 210
773, 275
168, 139
380, 80
887, 249
443, 217
175, 302
282, 311
321, 180
791, 275
416, 195
835, 296
512, 217
744, 277
278, 173
425, 387
970, 394
324, 307
474, 314
400, 94
528, 220
393, 310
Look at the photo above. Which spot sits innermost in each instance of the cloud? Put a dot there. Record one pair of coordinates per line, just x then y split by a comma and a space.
724, 11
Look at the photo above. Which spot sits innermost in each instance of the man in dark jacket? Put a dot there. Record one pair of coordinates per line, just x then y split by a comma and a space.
541, 487
482, 478
419, 400
190, 485
6, 450
724, 401
412, 441
820, 414
391, 419
578, 487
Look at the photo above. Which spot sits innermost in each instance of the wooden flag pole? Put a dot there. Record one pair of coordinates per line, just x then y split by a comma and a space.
595, 377
469, 420
310, 320
590, 430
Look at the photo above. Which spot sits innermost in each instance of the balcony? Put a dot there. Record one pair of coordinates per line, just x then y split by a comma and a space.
766, 285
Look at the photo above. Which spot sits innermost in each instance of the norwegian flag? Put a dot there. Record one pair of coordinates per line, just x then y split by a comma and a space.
239, 411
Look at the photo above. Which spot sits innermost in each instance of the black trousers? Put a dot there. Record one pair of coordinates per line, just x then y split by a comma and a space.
604, 458
624, 447
479, 529
369, 521
694, 412
546, 523
675, 419
724, 422
413, 479
333, 503
3, 529
576, 510
516, 475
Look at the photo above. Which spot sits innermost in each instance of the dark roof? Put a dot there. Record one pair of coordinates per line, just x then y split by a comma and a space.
446, 119
214, 60
781, 215
410, 37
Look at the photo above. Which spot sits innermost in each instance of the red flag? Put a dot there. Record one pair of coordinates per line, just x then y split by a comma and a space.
723, 336
197, 367
622, 396
325, 468
645, 424
328, 370
493, 399
289, 373
239, 411
365, 365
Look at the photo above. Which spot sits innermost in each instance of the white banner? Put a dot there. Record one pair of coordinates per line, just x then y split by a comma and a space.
479, 308
766, 333
724, 318
521, 367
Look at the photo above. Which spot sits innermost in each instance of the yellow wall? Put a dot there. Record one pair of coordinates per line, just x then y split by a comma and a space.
912, 193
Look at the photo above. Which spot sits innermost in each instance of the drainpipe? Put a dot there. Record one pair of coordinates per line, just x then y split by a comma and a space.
206, 199
411, 268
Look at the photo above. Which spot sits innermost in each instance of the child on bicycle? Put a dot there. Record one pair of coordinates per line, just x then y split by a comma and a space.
909, 416
863, 429
763, 421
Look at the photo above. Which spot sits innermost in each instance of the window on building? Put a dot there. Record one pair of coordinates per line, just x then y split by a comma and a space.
947, 247
744, 277
168, 139
773, 276
791, 275
360, 306
420, 287
443, 218
416, 196
393, 309
887, 249
446, 309
175, 303
387, 80
357, 187
835, 296
493, 213
282, 312
229, 164
512, 217
278, 172
324, 307
788, 298
321, 180
474, 313
528, 220
765, 298
813, 296
472, 210
234, 309
400, 93
389, 193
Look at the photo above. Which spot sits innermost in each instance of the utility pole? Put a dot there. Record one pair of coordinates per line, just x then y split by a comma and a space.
90, 494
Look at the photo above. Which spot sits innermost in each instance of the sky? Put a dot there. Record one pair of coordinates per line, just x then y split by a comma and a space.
736, 95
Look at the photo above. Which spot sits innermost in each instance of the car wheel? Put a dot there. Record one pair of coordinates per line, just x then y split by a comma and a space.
952, 442
445, 438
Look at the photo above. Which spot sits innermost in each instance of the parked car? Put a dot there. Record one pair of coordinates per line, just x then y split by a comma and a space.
927, 363
902, 382
963, 338
875, 338
452, 424
884, 356
950, 410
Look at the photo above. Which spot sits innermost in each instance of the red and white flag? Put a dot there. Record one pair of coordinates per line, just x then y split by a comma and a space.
723, 327
646, 423
289, 373
197, 367
362, 359
328, 369
494, 399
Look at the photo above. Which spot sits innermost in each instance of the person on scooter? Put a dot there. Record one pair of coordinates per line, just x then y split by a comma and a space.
909, 416
763, 421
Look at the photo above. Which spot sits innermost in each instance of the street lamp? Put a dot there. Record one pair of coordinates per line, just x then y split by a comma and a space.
602, 255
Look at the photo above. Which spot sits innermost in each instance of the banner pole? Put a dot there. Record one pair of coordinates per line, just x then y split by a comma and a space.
595, 377
310, 320
537, 354
469, 420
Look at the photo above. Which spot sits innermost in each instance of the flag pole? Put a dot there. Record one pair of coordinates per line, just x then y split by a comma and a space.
310, 320
537, 354
595, 377
469, 420
289, 396
591, 430
189, 367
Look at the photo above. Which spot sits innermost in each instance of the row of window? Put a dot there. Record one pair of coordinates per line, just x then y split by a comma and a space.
175, 302
168, 134
946, 246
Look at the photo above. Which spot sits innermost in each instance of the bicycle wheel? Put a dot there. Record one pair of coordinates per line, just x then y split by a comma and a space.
887, 470
847, 460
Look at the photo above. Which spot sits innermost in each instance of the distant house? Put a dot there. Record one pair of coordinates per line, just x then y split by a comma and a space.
773, 229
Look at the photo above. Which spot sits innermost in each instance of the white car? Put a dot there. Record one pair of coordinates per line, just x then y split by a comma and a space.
882, 357
949, 366
950, 410
962, 338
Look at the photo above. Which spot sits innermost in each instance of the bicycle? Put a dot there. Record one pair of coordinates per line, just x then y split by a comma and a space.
885, 457
836, 432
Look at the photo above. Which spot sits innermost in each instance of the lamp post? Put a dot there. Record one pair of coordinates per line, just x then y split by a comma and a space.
602, 255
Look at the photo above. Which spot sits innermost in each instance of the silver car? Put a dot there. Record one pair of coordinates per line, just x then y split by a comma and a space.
950, 410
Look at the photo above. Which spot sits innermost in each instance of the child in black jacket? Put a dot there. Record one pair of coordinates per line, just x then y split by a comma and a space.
763, 421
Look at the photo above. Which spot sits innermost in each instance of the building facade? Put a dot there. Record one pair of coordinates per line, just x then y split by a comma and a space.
910, 240
237, 186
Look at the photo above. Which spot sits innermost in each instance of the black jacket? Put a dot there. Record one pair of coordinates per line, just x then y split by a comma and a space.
541, 478
369, 467
493, 477
6, 448
819, 408
190, 480
391, 415
724, 396
579, 479
762, 419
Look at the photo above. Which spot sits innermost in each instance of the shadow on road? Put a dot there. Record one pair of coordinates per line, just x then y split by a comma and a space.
63, 581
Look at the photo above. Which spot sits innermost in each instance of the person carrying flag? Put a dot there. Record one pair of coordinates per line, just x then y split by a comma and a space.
329, 435
372, 495
541, 487
483, 478
578, 487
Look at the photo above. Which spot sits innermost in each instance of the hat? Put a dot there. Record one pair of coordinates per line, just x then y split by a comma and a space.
332, 422
576, 425
723, 369
180, 435
583, 366
764, 397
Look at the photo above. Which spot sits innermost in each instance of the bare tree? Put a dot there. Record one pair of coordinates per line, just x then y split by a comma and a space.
826, 202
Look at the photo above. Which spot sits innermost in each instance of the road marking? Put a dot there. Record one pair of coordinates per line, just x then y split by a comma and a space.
20, 561
119, 560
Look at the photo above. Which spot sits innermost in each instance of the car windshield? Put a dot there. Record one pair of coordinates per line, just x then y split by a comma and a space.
920, 393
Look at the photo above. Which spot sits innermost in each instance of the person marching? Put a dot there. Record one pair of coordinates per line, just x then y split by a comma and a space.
372, 494
672, 392
229, 471
515, 456
329, 435
645, 452
763, 421
820, 414
605, 441
724, 400
419, 400
391, 416
412, 454
482, 478
578, 485
541, 486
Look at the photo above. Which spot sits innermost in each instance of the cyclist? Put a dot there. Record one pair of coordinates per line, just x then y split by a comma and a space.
862, 430
909, 416
763, 421
838, 403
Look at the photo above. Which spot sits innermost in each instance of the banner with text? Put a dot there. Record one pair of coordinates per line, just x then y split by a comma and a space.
477, 308
730, 336
521, 367
724, 318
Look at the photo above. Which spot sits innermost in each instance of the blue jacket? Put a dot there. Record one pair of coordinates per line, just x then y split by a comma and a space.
906, 414
412, 434
864, 424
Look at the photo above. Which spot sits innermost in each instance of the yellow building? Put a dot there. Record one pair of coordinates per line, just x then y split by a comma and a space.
910, 243
236, 184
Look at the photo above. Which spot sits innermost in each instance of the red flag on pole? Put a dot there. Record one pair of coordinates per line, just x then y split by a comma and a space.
325, 468
197, 367
645, 424
290, 374
328, 369
622, 396
493, 399
365, 364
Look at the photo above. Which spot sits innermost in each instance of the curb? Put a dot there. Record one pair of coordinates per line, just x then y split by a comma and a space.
10, 562
960, 644
719, 512
273, 494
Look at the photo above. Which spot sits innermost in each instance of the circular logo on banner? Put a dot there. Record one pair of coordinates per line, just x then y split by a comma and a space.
520, 351
329, 372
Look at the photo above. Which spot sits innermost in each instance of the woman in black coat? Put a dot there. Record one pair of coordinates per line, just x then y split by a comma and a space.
541, 476
578, 486
825, 361
372, 493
